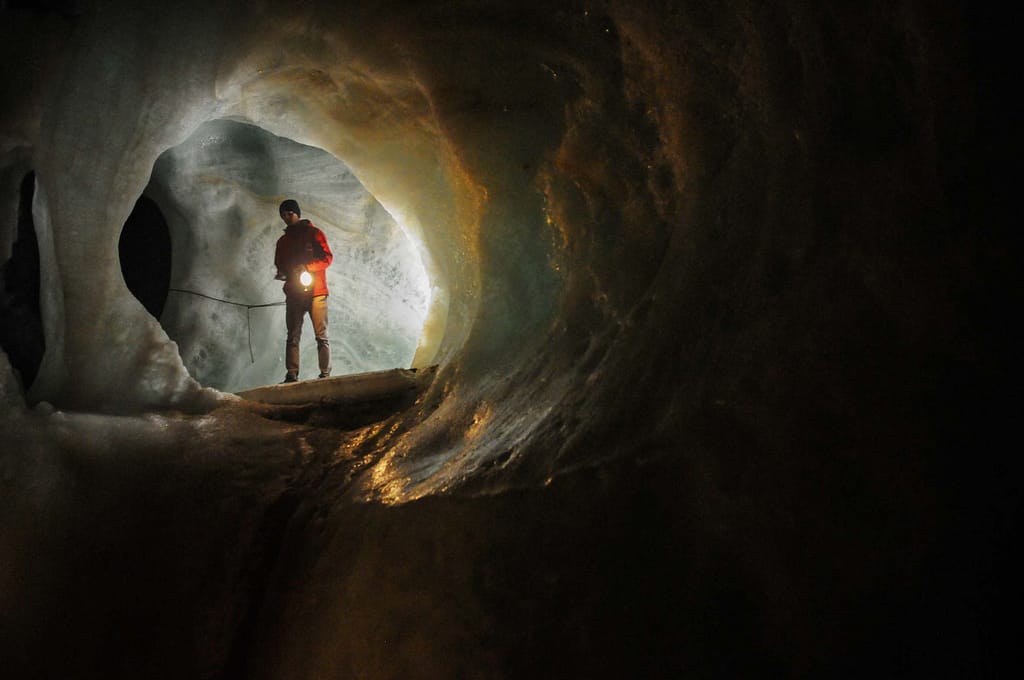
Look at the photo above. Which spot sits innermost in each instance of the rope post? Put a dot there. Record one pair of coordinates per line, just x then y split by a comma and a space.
248, 326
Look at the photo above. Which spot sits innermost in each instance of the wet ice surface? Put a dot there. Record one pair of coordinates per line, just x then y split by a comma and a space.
155, 529
703, 294
237, 543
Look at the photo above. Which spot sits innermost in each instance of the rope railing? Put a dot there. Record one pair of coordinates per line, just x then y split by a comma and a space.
248, 311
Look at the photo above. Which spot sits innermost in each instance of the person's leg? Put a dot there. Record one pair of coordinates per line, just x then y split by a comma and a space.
318, 314
294, 311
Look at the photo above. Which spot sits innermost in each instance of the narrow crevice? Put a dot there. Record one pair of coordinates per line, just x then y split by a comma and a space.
21, 329
145, 253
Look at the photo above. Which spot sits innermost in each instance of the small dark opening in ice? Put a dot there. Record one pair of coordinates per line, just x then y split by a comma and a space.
21, 323
145, 253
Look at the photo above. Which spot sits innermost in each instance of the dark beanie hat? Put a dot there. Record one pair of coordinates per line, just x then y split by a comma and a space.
290, 205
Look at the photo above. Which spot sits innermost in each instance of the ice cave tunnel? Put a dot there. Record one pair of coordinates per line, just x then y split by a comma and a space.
715, 293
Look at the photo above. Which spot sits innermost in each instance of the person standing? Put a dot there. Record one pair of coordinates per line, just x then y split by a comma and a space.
302, 257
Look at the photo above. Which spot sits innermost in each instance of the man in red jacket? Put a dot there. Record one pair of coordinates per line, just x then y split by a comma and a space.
302, 257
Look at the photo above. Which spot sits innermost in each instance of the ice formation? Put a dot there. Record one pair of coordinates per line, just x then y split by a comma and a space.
704, 281
221, 189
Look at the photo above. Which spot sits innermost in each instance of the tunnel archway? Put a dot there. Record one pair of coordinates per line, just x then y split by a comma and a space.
760, 431
144, 250
21, 333
220, 190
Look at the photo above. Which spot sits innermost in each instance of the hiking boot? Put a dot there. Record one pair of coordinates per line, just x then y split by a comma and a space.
290, 378
324, 375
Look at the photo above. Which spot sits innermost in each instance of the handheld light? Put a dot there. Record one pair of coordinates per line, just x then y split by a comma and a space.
305, 278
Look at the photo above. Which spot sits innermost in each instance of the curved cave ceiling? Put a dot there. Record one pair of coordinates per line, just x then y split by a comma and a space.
717, 293
221, 188
592, 193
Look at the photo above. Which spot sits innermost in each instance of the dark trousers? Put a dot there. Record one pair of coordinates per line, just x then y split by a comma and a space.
295, 311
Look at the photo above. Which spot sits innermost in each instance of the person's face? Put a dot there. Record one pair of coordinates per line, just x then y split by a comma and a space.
289, 217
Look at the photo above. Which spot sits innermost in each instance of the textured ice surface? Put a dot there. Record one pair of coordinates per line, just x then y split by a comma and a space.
715, 301
220, 191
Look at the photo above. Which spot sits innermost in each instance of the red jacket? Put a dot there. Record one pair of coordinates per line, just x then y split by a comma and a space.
302, 248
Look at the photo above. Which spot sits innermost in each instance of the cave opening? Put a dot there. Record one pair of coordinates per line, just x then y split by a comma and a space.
219, 191
144, 249
723, 387
21, 333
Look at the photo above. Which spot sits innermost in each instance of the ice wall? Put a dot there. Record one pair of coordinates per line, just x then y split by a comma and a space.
715, 291
220, 190
380, 123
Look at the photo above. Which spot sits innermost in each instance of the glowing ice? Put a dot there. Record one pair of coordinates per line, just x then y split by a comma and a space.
220, 190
